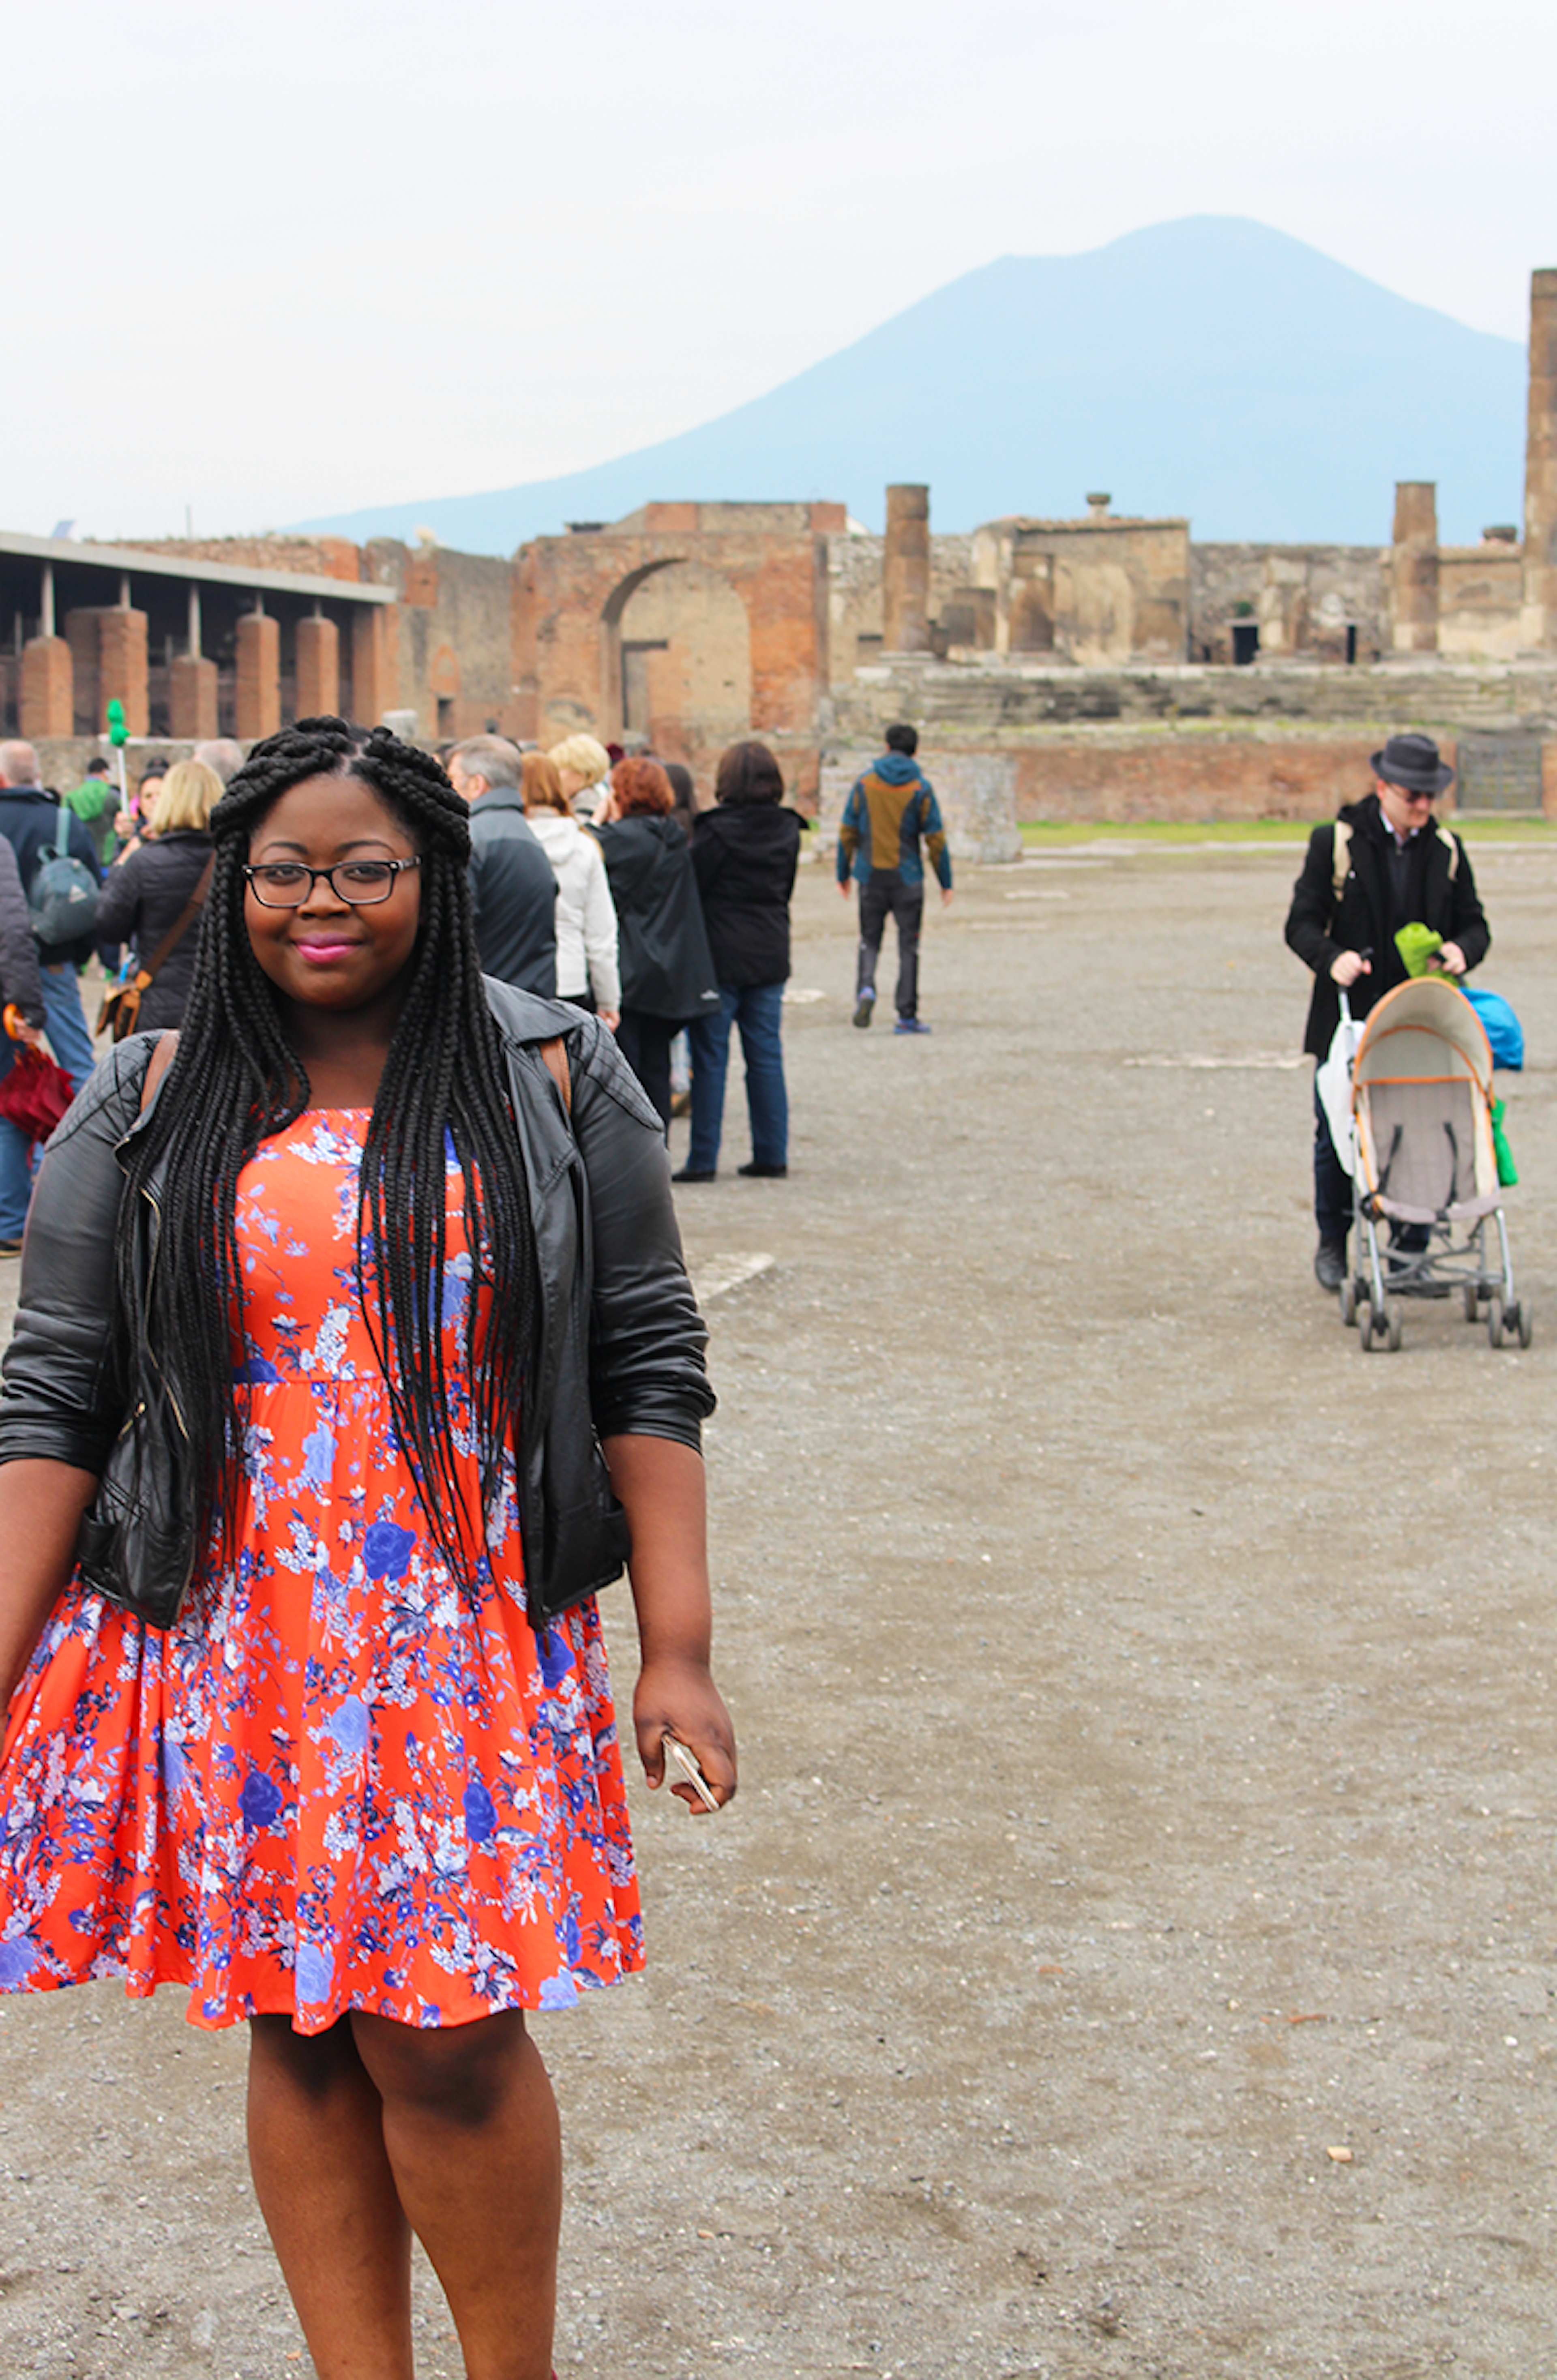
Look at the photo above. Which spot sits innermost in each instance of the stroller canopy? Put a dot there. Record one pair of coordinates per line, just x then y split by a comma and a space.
1425, 1031
1422, 1094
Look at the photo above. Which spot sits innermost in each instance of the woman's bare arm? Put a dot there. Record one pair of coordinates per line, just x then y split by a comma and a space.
41, 1509
661, 1484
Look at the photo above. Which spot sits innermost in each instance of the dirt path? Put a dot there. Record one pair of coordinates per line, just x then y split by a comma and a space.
1146, 1724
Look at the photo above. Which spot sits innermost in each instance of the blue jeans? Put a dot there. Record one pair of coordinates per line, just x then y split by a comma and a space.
756, 1008
71, 1043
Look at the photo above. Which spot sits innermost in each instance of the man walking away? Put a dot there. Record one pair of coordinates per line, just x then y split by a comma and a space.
30, 822
1385, 863
891, 813
513, 884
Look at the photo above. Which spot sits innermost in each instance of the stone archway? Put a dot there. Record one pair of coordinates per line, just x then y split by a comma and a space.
677, 659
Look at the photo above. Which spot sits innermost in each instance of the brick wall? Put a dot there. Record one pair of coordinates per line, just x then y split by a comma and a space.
318, 557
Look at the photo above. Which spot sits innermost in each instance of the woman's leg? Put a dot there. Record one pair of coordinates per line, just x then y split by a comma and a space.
323, 2177
644, 1042
470, 2126
760, 1009
709, 1038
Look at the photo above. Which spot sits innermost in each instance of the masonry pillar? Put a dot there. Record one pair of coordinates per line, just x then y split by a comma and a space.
191, 699
1413, 567
48, 689
906, 572
319, 668
1538, 624
374, 677
257, 705
192, 688
121, 666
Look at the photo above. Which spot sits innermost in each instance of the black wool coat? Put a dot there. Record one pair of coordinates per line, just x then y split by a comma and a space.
1440, 893
666, 969
744, 854
142, 898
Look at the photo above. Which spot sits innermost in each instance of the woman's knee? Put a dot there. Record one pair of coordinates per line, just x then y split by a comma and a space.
313, 2063
460, 2073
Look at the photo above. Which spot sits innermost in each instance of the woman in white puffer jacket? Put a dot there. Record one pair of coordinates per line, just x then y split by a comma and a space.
586, 969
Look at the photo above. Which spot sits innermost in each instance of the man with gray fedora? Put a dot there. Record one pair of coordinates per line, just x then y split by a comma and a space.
1386, 862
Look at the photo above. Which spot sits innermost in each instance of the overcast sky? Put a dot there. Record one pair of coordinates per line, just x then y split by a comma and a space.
269, 261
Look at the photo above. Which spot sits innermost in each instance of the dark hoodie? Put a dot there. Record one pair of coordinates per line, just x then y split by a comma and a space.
890, 809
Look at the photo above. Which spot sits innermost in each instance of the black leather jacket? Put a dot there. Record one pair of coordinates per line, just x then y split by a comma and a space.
619, 1344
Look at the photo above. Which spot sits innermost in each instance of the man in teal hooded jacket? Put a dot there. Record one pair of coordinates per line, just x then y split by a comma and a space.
891, 816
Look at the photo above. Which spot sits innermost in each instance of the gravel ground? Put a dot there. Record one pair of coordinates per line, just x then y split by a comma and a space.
1130, 1952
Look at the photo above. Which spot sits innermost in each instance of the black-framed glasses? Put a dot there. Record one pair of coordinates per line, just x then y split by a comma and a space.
287, 884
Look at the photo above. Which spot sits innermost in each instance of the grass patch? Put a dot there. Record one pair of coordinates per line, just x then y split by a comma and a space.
1043, 834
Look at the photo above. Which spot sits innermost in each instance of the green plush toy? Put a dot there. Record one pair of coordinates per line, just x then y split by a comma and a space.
1417, 945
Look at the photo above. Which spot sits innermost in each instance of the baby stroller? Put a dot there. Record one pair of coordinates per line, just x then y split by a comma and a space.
1423, 1159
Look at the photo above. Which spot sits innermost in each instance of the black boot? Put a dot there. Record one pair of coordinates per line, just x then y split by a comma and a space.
1330, 1264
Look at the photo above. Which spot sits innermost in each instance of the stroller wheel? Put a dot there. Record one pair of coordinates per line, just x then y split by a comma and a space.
1348, 1300
1494, 1320
1519, 1319
1469, 1295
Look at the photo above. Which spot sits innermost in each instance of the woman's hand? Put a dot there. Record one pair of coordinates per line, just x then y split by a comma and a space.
661, 1484
610, 1017
680, 1698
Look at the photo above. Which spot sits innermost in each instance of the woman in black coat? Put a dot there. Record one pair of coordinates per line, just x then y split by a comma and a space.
743, 853
667, 974
146, 892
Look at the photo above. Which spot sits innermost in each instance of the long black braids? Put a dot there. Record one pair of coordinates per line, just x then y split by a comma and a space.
237, 1080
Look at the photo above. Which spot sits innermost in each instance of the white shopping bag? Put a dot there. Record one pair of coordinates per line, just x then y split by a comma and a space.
1334, 1084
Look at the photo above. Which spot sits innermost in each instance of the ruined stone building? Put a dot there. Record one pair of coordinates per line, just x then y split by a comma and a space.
1100, 666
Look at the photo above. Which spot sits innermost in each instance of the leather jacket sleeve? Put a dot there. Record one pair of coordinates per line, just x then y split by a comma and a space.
646, 1336
61, 1396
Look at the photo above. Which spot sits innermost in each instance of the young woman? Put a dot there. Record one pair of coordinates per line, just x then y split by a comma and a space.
667, 975
145, 895
745, 851
586, 970
354, 1340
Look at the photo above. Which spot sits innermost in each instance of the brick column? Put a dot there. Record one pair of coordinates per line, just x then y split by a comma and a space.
373, 675
906, 572
1537, 619
191, 699
257, 707
121, 667
319, 668
1413, 567
48, 689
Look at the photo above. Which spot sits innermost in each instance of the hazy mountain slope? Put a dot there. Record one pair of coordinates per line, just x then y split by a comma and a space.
1211, 367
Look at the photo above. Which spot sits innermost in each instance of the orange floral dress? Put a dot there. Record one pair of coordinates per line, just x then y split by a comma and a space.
341, 1781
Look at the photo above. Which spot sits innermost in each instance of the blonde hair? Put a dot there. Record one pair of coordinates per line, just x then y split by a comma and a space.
542, 786
186, 797
587, 759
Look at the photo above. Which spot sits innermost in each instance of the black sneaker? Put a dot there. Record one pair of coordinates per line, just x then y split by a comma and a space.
1330, 1264
864, 1007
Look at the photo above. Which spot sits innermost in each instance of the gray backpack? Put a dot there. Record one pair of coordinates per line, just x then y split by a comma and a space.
62, 904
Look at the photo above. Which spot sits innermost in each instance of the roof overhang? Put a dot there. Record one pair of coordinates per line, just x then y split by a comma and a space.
123, 559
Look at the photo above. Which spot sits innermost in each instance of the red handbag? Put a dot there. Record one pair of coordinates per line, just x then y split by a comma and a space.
35, 1093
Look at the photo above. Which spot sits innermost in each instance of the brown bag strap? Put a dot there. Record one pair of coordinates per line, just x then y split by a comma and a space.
179, 927
553, 1057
